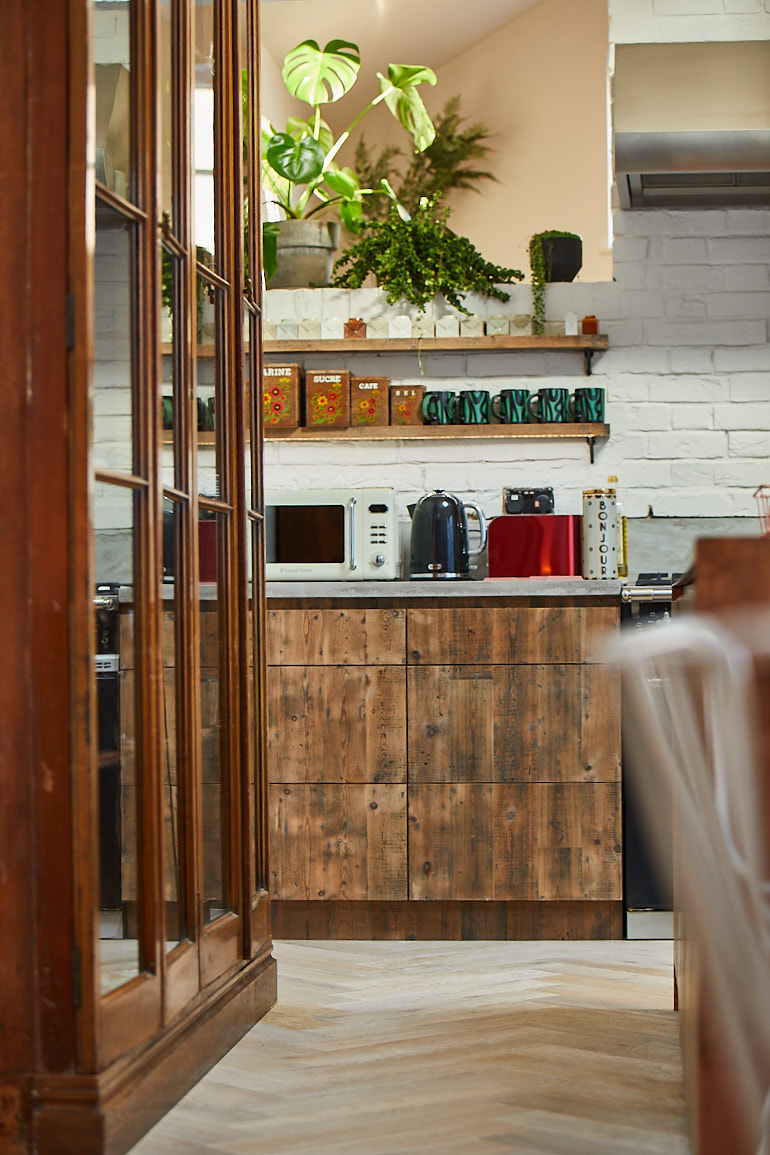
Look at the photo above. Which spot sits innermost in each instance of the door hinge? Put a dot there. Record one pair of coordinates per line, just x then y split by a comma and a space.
76, 979
70, 320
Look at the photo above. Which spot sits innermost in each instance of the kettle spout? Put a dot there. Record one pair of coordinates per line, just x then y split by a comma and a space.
412, 508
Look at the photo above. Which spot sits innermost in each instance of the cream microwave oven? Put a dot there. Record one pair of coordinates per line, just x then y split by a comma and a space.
331, 535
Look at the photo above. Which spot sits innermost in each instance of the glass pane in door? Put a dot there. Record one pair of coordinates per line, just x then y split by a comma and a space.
112, 74
113, 520
166, 167
172, 780
216, 896
113, 395
203, 112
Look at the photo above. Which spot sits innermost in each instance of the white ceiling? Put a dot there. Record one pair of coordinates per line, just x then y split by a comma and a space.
426, 32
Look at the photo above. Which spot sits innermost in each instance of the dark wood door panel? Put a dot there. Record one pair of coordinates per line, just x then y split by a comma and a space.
347, 637
528, 723
557, 842
515, 842
450, 841
330, 841
335, 724
500, 635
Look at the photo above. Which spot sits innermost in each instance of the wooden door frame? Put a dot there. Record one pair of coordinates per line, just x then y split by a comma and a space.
53, 1099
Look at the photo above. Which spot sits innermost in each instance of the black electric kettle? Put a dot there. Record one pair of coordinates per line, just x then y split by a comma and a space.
440, 536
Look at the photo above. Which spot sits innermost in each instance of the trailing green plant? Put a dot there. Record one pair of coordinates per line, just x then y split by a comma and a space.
204, 257
541, 274
446, 164
417, 257
299, 165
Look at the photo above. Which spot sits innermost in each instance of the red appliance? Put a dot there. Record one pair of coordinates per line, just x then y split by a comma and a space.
535, 545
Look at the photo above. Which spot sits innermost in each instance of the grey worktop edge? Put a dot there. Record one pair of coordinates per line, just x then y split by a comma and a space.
490, 587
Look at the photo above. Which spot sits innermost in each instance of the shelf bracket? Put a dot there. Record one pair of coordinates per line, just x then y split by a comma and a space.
588, 358
591, 441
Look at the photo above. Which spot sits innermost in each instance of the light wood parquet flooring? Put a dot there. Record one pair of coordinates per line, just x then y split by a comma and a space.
405, 1048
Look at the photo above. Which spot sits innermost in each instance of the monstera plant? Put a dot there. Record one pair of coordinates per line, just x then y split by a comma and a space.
300, 170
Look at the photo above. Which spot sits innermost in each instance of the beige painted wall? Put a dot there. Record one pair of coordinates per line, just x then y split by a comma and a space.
539, 83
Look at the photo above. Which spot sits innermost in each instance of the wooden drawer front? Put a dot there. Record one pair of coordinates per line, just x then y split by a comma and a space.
557, 842
333, 724
513, 724
336, 637
450, 841
499, 636
329, 841
507, 841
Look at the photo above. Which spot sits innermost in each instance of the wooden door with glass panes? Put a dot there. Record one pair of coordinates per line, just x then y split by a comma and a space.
142, 927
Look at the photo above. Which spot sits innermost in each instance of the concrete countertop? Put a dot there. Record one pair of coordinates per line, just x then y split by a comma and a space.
489, 587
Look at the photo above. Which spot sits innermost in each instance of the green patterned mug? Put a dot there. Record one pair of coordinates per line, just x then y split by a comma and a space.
587, 405
511, 406
550, 404
438, 407
472, 407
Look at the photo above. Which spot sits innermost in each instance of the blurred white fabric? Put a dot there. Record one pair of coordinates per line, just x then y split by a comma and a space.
691, 724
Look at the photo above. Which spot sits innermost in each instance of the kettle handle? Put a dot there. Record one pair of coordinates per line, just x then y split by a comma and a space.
482, 523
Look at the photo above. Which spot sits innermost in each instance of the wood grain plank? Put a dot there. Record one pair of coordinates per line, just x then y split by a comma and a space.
450, 844
478, 920
557, 842
338, 841
526, 723
336, 637
502, 635
332, 723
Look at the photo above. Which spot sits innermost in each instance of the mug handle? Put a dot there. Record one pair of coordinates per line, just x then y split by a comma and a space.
496, 404
532, 406
457, 409
571, 405
428, 407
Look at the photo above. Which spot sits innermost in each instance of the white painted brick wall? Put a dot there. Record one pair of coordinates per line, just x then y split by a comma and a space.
687, 378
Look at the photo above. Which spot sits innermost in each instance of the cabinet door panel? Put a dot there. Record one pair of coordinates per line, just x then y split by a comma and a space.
557, 842
336, 637
498, 635
330, 842
450, 841
528, 723
333, 724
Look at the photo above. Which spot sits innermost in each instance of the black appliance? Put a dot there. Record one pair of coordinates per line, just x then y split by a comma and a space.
107, 668
527, 500
647, 882
439, 542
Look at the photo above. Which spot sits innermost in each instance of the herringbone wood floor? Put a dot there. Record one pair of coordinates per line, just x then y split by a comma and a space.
405, 1048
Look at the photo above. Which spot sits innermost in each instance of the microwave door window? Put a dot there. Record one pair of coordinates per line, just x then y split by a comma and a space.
306, 534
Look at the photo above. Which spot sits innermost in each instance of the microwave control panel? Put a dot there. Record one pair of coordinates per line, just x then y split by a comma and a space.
379, 535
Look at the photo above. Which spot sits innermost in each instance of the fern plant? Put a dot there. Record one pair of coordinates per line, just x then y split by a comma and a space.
416, 258
450, 162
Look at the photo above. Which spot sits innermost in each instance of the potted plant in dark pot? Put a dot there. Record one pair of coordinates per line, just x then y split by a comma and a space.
554, 255
299, 165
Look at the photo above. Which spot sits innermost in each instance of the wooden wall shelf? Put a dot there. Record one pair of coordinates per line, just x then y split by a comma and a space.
590, 432
567, 430
588, 345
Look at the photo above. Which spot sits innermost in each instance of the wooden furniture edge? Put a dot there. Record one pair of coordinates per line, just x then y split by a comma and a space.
111, 1111
482, 920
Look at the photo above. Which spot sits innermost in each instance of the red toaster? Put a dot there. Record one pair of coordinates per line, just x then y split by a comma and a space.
535, 545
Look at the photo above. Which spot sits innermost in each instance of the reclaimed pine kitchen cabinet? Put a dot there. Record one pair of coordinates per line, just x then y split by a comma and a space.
444, 766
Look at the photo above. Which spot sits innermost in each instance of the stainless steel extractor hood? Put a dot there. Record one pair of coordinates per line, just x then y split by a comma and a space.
691, 124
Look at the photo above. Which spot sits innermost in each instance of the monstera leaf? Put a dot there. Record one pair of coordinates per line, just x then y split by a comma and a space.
318, 129
400, 94
299, 161
320, 77
347, 186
